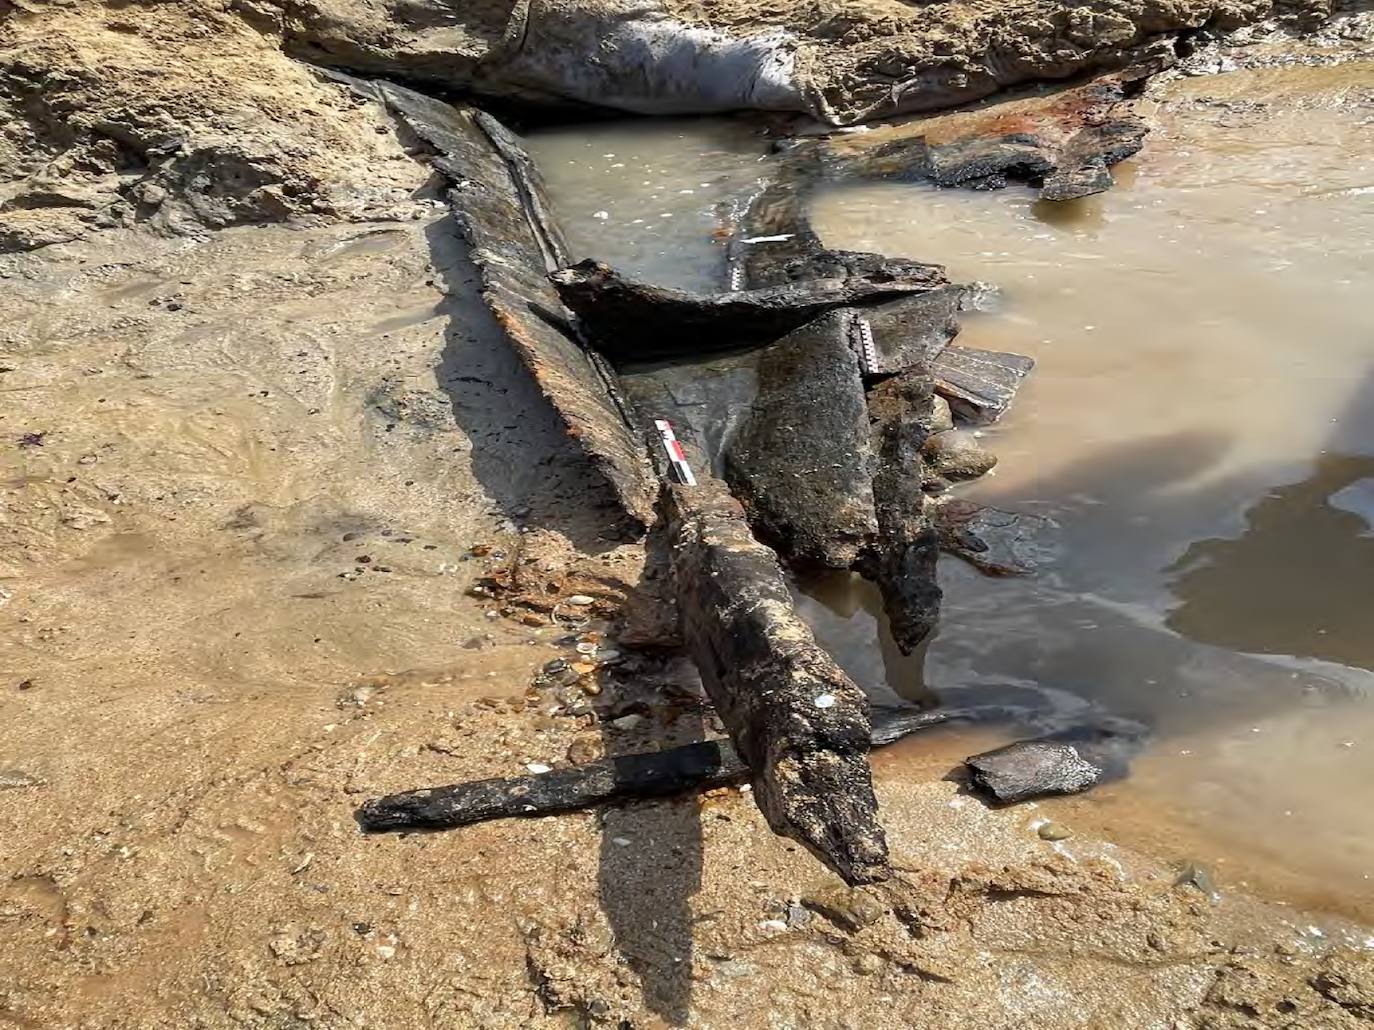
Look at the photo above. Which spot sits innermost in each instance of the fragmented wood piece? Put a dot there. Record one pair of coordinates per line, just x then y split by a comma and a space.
1062, 142
655, 774
905, 550
633, 321
802, 459
499, 207
797, 720
911, 331
979, 384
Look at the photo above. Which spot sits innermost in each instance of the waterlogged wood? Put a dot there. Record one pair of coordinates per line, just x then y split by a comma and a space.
655, 774
801, 461
700, 766
1064, 142
499, 206
800, 724
906, 547
979, 384
629, 320
912, 331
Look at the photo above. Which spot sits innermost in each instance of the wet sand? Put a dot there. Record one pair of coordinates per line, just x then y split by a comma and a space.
250, 482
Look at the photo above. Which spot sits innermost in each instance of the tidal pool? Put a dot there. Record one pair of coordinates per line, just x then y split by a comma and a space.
1198, 437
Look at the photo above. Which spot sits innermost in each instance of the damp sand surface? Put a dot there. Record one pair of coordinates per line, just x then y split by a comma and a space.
1197, 442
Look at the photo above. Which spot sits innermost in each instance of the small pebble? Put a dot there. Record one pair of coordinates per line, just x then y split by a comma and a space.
1054, 831
538, 767
867, 964
579, 600
1197, 877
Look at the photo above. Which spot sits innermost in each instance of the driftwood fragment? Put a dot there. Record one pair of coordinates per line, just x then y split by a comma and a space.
979, 384
630, 320
802, 459
700, 766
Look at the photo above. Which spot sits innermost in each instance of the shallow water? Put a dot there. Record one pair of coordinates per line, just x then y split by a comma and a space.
650, 195
1199, 434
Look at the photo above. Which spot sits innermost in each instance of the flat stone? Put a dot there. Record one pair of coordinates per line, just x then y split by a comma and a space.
13, 779
957, 456
1032, 769
994, 541
940, 419
1197, 876
848, 908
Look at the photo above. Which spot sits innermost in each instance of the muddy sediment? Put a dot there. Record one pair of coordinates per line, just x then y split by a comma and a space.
288, 525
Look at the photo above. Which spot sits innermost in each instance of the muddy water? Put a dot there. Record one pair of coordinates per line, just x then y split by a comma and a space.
651, 195
1198, 437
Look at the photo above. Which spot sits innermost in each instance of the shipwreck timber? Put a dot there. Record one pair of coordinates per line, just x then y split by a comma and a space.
847, 365
497, 202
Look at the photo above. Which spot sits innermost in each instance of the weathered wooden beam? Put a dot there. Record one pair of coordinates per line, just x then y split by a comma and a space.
629, 320
800, 724
1064, 142
499, 207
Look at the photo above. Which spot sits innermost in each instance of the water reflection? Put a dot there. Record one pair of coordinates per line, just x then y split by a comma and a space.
846, 614
1298, 581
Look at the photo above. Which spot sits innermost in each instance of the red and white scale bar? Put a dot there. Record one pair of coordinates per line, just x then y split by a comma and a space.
673, 448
